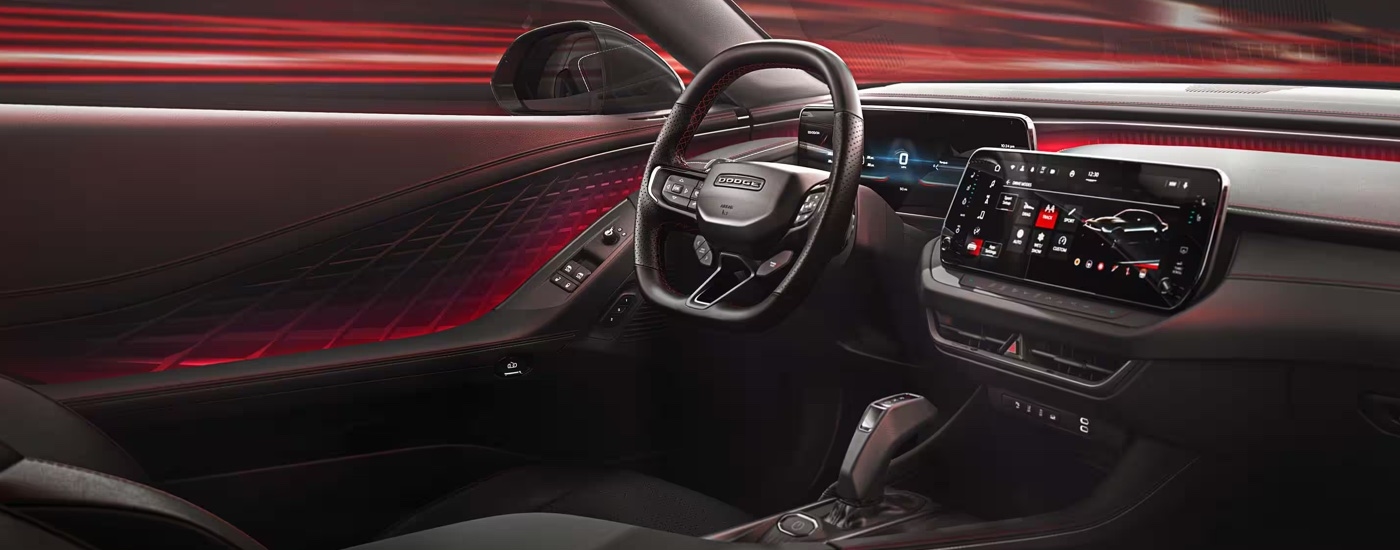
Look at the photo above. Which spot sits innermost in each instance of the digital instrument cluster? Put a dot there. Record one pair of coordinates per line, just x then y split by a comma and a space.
914, 157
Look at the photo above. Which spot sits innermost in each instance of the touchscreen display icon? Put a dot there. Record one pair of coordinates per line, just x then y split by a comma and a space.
1040, 243
1028, 212
1007, 202
1049, 215
974, 247
1019, 236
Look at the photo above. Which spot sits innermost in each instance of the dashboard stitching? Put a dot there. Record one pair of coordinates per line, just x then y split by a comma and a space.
1140, 104
1316, 280
1309, 217
756, 152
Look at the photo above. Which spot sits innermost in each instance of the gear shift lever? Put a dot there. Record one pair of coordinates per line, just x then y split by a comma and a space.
886, 424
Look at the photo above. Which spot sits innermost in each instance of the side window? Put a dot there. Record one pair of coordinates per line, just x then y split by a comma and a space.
426, 56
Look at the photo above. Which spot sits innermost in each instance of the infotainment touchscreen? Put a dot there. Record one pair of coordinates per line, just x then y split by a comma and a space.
914, 156
1126, 230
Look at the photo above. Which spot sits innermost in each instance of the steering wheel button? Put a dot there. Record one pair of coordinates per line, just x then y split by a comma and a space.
776, 263
692, 205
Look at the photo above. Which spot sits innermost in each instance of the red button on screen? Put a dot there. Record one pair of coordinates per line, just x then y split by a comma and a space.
1048, 216
974, 247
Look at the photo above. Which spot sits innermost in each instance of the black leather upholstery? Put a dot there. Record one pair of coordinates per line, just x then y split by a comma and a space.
59, 469
19, 532
560, 532
38, 427
112, 513
614, 495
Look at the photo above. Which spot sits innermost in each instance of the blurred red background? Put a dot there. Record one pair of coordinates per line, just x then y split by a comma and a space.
436, 56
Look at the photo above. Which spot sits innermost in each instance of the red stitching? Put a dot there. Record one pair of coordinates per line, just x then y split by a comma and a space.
1324, 217
1315, 280
748, 152
703, 106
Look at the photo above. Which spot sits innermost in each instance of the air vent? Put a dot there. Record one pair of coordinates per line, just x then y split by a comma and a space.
1274, 12
1235, 89
1040, 354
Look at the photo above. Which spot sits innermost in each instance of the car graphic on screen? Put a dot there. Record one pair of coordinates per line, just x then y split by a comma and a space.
1127, 222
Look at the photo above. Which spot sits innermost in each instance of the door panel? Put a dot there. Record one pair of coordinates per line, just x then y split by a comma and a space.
287, 232
111, 207
418, 273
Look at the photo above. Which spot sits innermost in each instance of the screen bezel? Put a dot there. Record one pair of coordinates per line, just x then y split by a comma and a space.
1024, 119
1216, 229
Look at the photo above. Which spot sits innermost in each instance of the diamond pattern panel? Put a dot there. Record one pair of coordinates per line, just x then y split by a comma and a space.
419, 273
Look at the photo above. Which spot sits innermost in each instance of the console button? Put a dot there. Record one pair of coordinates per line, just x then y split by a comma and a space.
1059, 245
991, 250
1070, 216
1015, 348
1017, 243
1047, 218
581, 273
563, 281
1030, 208
619, 310
1006, 202
973, 247
1040, 242
797, 525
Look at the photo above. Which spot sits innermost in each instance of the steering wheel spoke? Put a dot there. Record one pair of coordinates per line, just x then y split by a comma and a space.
732, 272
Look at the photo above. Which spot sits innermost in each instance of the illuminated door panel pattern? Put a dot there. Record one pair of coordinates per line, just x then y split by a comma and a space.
419, 273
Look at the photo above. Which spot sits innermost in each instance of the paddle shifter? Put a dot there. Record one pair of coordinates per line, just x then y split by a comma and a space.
886, 424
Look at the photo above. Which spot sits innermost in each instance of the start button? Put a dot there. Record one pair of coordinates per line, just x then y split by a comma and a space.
797, 525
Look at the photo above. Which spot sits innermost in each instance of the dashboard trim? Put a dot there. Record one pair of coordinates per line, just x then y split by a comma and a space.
1210, 128
976, 355
1216, 231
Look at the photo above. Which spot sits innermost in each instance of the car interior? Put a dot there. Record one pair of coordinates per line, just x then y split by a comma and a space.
766, 305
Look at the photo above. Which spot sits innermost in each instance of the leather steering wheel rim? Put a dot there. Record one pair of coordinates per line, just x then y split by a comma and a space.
828, 229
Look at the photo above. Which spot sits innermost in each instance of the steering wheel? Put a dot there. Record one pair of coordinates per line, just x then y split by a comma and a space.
756, 220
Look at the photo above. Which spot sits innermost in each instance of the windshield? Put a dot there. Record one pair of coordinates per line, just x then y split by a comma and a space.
1264, 41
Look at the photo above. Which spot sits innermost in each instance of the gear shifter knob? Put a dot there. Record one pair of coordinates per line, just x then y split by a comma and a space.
886, 424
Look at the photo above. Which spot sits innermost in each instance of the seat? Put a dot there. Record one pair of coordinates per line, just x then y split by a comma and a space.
620, 496
58, 469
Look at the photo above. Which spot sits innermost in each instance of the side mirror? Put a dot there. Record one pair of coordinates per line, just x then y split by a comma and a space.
582, 67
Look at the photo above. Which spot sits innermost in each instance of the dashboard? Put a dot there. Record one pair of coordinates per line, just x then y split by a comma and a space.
1257, 295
